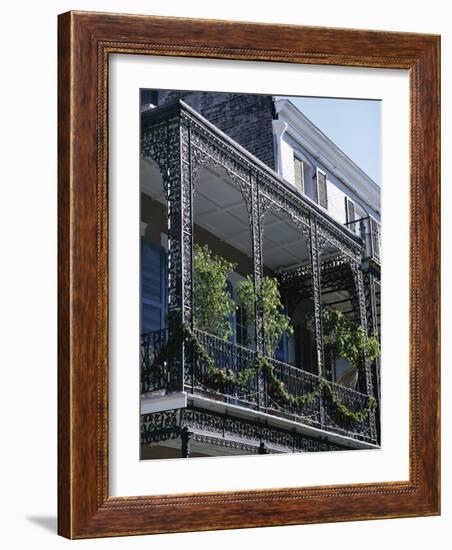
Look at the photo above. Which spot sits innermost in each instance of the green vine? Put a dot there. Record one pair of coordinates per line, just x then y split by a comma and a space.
222, 377
280, 389
309, 398
357, 416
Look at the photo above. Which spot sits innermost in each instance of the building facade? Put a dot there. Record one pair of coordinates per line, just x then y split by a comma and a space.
253, 181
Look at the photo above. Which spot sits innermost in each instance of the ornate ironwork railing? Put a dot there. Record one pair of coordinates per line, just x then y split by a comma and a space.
225, 355
336, 421
370, 232
316, 405
296, 382
155, 373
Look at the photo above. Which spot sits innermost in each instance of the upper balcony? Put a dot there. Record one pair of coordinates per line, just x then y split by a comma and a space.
202, 143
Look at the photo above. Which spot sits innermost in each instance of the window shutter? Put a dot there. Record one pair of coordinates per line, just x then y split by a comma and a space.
231, 317
375, 232
282, 351
153, 287
299, 174
240, 326
322, 198
349, 211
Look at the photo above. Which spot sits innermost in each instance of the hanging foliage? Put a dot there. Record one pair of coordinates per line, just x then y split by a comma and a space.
266, 298
323, 386
344, 338
220, 378
278, 387
213, 305
216, 376
357, 416
213, 310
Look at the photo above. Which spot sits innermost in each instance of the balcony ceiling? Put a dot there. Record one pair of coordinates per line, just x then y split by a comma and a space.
220, 209
284, 247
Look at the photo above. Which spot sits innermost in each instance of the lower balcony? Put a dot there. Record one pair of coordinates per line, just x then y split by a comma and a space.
232, 374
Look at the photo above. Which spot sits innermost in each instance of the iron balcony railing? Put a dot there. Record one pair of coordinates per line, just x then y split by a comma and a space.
370, 232
226, 356
296, 382
260, 389
155, 372
337, 422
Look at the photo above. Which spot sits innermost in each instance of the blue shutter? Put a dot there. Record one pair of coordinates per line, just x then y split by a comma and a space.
153, 287
230, 291
282, 351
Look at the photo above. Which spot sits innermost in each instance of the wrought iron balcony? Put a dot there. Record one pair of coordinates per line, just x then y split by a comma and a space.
188, 162
370, 232
260, 391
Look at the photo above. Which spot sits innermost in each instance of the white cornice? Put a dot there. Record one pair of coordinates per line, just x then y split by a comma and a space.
313, 140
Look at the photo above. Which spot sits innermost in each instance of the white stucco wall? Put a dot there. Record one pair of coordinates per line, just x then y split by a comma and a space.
336, 197
336, 190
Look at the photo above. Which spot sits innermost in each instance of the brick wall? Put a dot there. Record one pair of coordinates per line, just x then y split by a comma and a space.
246, 118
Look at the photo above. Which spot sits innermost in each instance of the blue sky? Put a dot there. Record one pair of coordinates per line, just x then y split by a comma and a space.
352, 124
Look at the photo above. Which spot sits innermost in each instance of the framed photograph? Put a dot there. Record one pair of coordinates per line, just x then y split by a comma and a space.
248, 275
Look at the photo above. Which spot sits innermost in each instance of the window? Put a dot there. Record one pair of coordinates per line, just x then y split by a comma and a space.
231, 319
238, 321
349, 212
321, 198
282, 351
351, 216
153, 287
241, 327
375, 236
298, 174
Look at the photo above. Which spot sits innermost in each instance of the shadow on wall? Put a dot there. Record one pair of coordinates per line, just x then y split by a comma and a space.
49, 523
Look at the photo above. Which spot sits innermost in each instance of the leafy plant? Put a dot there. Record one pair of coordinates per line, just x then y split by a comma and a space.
344, 338
213, 305
266, 299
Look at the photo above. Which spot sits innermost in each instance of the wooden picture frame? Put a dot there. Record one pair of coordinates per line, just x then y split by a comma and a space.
85, 508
